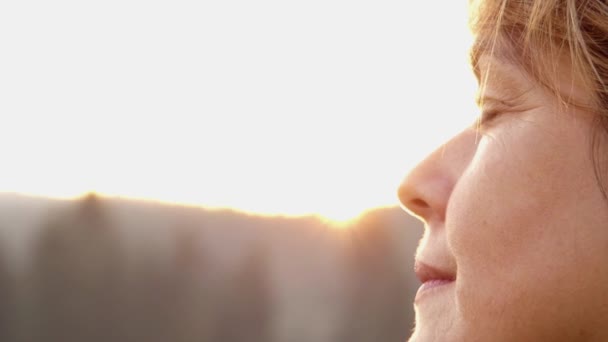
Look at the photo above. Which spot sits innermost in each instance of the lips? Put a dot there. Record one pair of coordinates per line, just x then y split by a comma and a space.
432, 278
426, 273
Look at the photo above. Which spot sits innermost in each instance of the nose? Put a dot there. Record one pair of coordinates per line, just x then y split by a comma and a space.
426, 190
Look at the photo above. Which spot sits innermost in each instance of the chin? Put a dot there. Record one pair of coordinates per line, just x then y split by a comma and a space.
432, 335
436, 320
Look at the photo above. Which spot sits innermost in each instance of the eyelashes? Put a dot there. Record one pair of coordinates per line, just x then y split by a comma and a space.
487, 120
487, 116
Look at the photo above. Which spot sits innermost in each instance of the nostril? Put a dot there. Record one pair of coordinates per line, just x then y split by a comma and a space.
418, 203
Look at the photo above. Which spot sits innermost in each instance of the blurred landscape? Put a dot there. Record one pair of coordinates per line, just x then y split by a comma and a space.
109, 269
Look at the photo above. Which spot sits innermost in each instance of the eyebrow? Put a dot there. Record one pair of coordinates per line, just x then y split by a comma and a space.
480, 100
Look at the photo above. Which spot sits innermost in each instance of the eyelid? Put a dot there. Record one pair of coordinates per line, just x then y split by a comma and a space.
493, 102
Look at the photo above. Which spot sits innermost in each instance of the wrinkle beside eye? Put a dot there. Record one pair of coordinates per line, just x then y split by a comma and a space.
503, 96
498, 110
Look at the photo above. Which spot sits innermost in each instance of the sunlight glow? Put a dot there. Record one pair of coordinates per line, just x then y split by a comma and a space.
266, 106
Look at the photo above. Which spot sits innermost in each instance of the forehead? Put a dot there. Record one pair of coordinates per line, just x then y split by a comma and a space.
498, 51
494, 68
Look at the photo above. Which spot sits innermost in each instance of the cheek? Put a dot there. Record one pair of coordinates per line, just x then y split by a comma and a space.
517, 191
498, 199
510, 224
492, 226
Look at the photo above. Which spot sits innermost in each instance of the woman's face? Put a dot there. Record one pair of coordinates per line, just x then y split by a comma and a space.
514, 215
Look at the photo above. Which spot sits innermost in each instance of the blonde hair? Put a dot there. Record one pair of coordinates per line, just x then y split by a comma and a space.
538, 35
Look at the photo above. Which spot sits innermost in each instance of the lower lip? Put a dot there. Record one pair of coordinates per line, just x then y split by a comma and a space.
432, 287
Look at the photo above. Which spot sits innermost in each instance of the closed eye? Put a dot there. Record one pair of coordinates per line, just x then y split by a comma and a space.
487, 116
491, 108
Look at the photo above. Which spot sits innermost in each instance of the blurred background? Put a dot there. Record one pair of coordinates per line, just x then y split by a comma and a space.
101, 269
244, 157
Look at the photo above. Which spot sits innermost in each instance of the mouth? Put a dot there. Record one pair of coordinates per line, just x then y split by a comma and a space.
433, 279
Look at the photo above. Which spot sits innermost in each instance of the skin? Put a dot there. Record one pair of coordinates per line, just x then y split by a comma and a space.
514, 211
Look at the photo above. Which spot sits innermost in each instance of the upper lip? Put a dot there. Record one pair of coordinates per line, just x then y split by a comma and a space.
425, 272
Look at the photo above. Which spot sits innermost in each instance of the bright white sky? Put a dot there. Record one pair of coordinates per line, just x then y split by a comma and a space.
271, 106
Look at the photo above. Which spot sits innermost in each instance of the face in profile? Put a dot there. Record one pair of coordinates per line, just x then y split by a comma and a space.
516, 238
